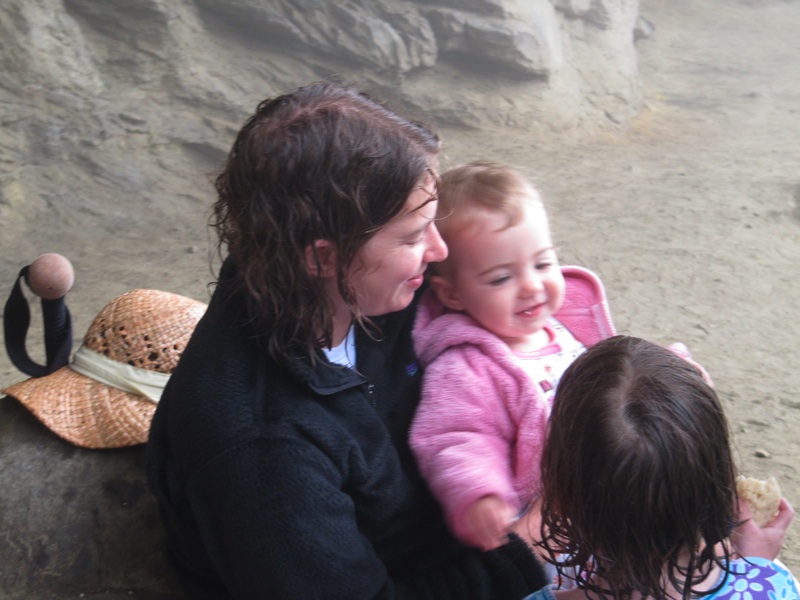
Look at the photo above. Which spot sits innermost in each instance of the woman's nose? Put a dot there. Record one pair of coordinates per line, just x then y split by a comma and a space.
437, 249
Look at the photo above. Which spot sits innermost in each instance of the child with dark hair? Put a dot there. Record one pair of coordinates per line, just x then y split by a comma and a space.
639, 496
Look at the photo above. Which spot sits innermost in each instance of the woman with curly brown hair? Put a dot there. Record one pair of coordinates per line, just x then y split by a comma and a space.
279, 453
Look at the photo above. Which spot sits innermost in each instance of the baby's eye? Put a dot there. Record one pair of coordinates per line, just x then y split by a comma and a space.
544, 265
499, 280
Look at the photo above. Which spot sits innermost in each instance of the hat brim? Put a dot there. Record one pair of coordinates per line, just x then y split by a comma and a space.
86, 412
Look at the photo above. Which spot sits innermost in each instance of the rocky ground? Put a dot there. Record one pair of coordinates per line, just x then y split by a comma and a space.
690, 214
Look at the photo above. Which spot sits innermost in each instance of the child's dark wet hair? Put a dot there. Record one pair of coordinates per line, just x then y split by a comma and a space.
639, 481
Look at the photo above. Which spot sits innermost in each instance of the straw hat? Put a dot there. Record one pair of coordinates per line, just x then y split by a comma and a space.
106, 396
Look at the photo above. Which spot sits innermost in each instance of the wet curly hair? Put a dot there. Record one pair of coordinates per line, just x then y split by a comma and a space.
325, 161
637, 473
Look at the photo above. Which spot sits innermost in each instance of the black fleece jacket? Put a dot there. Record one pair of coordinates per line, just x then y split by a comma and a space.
287, 480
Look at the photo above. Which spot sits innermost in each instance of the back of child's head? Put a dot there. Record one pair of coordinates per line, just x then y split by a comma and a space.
637, 470
467, 190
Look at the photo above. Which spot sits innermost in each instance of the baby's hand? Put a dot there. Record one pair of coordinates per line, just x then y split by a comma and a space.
488, 522
751, 540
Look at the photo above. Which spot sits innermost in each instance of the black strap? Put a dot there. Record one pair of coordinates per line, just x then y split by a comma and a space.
57, 331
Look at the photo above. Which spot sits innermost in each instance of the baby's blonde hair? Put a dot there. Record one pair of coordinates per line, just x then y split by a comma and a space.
466, 189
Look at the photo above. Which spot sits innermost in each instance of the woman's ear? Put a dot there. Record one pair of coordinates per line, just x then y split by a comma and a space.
446, 292
321, 258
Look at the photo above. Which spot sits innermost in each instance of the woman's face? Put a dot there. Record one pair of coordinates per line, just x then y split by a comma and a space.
389, 268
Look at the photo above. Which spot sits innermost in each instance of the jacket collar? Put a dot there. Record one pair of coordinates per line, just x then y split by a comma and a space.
323, 377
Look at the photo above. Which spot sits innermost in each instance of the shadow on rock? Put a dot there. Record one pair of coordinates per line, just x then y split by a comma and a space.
75, 522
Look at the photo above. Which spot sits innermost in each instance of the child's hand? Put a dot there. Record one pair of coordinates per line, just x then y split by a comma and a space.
751, 540
488, 522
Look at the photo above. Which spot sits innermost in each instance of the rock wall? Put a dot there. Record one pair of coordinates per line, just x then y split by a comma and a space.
126, 103
126, 96
112, 99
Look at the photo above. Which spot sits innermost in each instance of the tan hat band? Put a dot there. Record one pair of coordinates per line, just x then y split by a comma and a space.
122, 376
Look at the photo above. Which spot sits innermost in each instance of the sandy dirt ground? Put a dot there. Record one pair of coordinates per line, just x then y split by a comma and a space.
691, 216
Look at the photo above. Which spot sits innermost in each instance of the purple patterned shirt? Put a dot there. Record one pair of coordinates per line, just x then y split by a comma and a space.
749, 579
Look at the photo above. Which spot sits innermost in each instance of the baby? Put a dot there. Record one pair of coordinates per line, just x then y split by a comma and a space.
499, 326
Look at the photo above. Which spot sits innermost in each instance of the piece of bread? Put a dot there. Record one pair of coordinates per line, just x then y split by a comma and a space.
761, 496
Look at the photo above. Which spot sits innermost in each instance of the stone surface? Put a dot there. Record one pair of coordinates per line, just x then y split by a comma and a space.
526, 42
74, 522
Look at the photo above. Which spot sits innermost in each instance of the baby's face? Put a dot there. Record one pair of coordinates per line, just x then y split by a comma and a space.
507, 278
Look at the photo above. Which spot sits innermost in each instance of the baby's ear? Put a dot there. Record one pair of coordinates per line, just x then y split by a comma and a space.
321, 258
446, 292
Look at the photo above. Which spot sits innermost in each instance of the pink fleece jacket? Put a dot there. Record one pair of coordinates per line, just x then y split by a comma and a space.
480, 426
